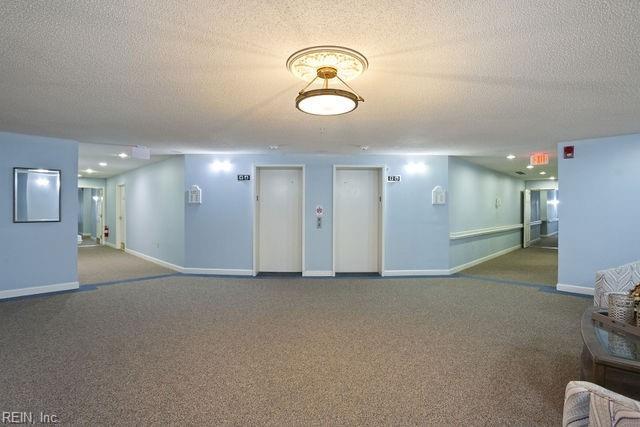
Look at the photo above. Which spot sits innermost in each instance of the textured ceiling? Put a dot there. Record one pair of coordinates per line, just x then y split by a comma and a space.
452, 77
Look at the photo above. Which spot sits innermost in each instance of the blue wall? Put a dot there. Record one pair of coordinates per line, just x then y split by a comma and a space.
51, 247
219, 231
155, 201
473, 191
604, 176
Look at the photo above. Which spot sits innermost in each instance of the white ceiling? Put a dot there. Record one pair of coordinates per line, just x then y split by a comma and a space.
451, 77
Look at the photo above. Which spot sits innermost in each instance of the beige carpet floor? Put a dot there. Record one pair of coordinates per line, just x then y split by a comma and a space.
284, 351
546, 242
98, 264
530, 265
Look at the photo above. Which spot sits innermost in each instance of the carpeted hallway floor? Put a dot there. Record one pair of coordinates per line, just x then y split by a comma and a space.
530, 265
100, 264
186, 349
547, 242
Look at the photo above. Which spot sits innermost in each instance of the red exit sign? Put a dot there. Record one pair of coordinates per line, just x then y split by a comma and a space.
540, 158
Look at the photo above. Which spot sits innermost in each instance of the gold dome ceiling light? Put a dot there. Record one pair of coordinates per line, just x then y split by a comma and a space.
327, 63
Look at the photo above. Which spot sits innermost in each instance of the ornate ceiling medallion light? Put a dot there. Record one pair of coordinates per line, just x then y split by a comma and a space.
327, 63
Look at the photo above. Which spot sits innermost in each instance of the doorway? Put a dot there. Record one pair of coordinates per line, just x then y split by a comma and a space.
358, 216
279, 219
121, 217
540, 218
90, 216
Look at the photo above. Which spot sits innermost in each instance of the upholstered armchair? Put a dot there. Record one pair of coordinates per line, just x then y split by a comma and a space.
619, 279
587, 404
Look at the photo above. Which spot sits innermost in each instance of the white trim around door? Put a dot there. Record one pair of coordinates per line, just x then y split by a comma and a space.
254, 195
382, 217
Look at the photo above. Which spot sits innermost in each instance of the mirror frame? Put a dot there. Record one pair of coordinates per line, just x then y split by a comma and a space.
15, 184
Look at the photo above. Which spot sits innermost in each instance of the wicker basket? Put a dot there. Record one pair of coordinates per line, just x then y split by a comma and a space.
621, 307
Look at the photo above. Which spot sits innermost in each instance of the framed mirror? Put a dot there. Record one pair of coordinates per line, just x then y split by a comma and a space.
36, 195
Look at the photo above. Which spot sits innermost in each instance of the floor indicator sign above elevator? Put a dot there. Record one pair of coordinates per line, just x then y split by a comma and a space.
394, 178
244, 177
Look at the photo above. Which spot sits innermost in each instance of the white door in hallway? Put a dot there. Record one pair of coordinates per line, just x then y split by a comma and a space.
357, 220
526, 218
279, 208
99, 214
121, 218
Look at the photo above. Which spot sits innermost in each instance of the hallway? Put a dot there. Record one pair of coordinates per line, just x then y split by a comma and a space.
547, 242
101, 264
531, 265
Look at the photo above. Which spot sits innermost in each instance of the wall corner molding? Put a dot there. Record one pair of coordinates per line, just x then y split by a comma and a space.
36, 290
217, 271
152, 259
574, 289
405, 273
318, 273
192, 270
483, 259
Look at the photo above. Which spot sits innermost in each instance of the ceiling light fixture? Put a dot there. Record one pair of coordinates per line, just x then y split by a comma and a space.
552, 177
273, 147
511, 157
102, 164
529, 166
327, 63
90, 171
79, 176
543, 173
123, 155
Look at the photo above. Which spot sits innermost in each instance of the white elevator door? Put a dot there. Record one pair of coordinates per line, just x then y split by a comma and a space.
280, 220
357, 220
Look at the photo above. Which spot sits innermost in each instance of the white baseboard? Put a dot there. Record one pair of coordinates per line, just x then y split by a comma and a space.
190, 270
318, 273
548, 235
154, 260
584, 290
35, 290
217, 271
483, 259
400, 273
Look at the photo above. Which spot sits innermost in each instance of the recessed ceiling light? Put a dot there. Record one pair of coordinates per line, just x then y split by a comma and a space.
511, 157
123, 155
327, 63
552, 177
90, 171
103, 164
273, 147
364, 147
543, 173
529, 166
79, 176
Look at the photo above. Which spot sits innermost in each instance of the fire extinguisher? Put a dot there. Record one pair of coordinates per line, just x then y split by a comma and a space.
106, 231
